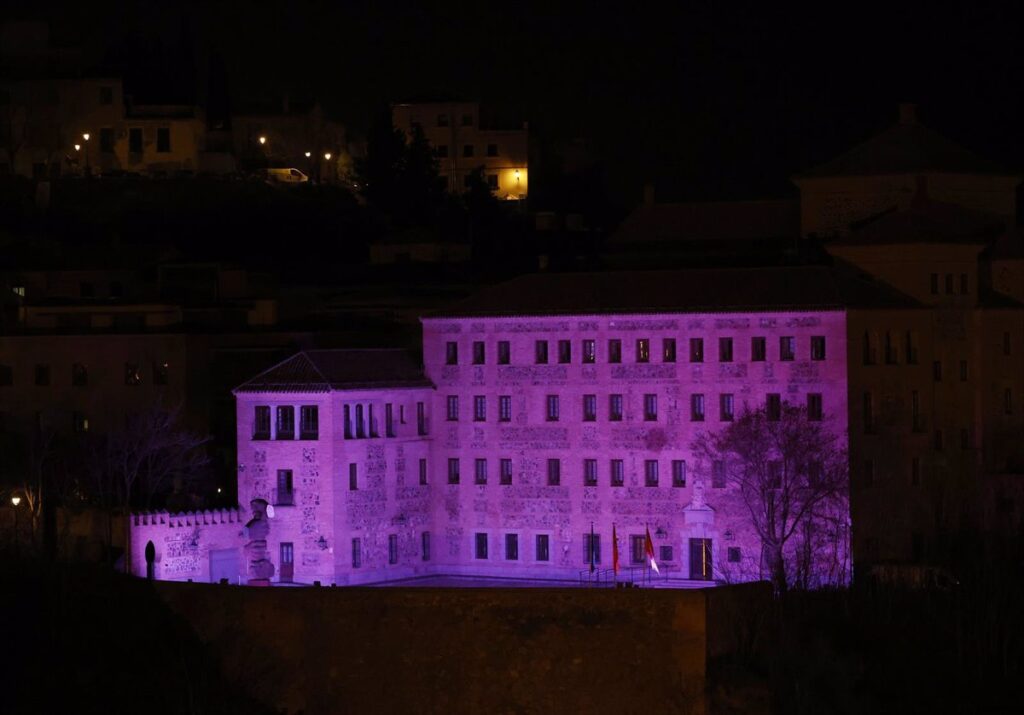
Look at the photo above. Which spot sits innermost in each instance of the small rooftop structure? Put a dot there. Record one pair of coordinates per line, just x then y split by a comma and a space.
326, 370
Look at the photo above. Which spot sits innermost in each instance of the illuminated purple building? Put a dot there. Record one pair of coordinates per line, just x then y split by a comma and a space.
547, 409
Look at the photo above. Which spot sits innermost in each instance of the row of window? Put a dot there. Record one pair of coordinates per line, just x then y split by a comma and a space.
589, 472
284, 424
588, 350
552, 407
468, 151
80, 374
357, 549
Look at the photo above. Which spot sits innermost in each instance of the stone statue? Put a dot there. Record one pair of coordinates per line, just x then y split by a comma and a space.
261, 570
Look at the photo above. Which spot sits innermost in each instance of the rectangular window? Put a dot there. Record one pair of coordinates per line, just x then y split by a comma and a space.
817, 347
590, 472
1006, 343
643, 350
504, 408
453, 470
937, 371
934, 284
541, 551
758, 350
725, 407
870, 349
479, 352
163, 139
132, 374
668, 350
696, 408
492, 150
452, 412
357, 554
511, 547
480, 471
285, 422
911, 349
540, 352
589, 408
79, 422
614, 408
421, 419
665, 553
915, 410
734, 554
891, 351
650, 472
679, 472
614, 351
135, 140
589, 351
392, 549
725, 350
479, 408
480, 546
554, 472
696, 349
650, 408
869, 414
423, 472
787, 348
963, 371
814, 408
451, 353
425, 545
718, 474
309, 422
591, 548
504, 352
505, 465
949, 284
389, 420
637, 548
617, 472
565, 351
353, 477
261, 422
773, 406
551, 408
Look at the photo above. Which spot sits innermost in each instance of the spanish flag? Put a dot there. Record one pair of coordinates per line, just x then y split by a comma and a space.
615, 550
649, 550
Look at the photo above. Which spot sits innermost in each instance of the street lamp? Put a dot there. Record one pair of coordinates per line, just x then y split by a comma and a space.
78, 147
86, 136
263, 140
327, 156
309, 154
15, 501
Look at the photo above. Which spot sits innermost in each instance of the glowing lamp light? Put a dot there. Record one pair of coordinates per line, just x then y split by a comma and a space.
219, 490
327, 156
309, 154
86, 136
263, 140
15, 501
78, 147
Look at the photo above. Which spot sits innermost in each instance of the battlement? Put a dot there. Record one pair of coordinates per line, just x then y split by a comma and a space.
173, 520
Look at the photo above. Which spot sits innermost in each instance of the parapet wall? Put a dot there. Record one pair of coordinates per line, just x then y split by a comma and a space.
182, 543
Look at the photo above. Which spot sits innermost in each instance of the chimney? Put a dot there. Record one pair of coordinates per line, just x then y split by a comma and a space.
649, 194
908, 113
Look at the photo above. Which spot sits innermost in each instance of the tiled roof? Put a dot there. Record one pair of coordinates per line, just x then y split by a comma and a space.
926, 221
710, 220
325, 370
697, 290
905, 148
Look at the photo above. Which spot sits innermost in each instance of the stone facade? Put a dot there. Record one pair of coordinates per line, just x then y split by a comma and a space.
499, 469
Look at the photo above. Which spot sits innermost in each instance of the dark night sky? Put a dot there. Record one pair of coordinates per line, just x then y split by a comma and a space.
712, 99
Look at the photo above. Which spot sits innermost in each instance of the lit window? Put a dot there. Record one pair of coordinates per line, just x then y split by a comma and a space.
589, 351
643, 350
668, 350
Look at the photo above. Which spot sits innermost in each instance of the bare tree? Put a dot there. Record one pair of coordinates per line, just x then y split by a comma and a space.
148, 456
791, 472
